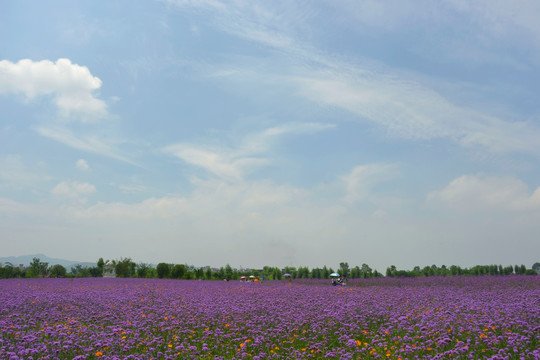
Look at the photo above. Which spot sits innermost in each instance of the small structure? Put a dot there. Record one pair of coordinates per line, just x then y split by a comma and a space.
108, 270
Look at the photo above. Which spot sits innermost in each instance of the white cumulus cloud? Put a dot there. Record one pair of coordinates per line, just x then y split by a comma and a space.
71, 86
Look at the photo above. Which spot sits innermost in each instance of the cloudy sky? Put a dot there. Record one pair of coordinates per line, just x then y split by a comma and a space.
299, 133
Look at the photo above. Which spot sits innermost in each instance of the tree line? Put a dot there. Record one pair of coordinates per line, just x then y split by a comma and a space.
126, 268
454, 270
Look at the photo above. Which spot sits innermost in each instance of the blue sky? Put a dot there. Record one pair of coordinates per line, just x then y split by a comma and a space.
271, 133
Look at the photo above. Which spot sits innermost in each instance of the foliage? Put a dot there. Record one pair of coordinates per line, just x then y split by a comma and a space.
95, 271
9, 271
125, 268
144, 270
37, 268
178, 271
344, 269
101, 264
57, 271
78, 271
163, 270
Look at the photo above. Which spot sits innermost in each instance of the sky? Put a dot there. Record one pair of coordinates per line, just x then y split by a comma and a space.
279, 133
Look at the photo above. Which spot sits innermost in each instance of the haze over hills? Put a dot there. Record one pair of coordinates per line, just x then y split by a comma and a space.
27, 259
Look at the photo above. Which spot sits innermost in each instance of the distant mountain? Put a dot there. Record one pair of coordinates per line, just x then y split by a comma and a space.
27, 259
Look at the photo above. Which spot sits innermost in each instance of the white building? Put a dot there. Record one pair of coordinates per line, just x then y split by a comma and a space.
108, 270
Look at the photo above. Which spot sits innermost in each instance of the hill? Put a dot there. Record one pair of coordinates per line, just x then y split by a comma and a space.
27, 259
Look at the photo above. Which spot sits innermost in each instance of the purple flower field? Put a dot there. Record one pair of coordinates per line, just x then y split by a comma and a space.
420, 318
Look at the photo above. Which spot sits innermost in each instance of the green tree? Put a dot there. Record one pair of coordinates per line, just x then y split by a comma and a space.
58, 271
316, 273
76, 270
367, 272
80, 271
9, 271
276, 273
143, 270
199, 273
344, 269
221, 273
508, 270
100, 264
178, 271
443, 271
303, 272
403, 273
267, 272
208, 274
391, 271
125, 268
291, 270
455, 270
325, 272
38, 268
356, 272
163, 270
228, 272
95, 271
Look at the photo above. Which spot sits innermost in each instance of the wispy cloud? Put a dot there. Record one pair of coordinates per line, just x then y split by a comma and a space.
473, 30
225, 163
245, 19
470, 193
404, 104
500, 18
233, 163
132, 188
87, 143
71, 86
410, 110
